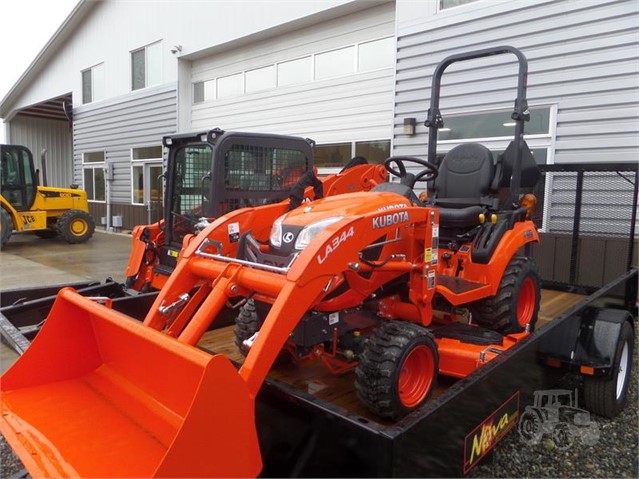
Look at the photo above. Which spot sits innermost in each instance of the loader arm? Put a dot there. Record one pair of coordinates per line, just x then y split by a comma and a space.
210, 260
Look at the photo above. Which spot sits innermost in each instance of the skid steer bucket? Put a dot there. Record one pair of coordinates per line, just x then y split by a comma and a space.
99, 395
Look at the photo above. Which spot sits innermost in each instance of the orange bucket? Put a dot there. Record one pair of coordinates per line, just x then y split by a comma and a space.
98, 394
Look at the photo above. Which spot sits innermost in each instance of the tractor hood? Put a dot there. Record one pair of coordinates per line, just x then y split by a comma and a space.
294, 230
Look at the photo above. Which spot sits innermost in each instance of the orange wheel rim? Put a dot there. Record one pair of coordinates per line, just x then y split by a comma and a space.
526, 302
416, 376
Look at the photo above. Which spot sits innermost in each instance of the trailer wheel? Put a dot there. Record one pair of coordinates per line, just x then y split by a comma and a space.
530, 430
607, 396
6, 227
75, 226
397, 369
516, 305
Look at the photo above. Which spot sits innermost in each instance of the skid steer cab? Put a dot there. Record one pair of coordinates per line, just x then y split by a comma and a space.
27, 206
370, 283
211, 173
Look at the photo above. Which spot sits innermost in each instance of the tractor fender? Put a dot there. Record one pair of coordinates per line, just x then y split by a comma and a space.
511, 242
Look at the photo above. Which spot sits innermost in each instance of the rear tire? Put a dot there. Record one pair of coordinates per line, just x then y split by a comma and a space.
515, 307
530, 430
247, 324
607, 396
397, 369
76, 226
6, 227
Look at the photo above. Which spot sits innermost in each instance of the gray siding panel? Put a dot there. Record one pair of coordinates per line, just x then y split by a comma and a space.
119, 125
54, 136
582, 56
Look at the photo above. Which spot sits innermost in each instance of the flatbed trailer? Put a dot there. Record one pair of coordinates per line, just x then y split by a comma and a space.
311, 424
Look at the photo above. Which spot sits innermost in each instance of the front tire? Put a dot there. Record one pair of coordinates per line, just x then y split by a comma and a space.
397, 369
607, 396
75, 226
515, 307
6, 227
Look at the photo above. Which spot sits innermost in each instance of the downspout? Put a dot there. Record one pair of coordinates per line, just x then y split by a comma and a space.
108, 174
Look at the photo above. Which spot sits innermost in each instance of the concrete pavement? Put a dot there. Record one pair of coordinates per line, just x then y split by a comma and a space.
29, 261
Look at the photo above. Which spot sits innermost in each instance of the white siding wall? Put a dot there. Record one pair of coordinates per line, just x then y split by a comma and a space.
582, 57
117, 126
354, 107
56, 136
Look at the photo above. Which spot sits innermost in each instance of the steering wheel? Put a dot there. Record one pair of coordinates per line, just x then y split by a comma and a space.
429, 172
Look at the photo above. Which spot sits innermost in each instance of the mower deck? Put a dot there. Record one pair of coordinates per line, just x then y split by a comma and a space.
312, 378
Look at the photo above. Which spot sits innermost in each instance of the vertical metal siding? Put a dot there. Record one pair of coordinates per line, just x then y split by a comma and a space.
140, 119
56, 136
582, 56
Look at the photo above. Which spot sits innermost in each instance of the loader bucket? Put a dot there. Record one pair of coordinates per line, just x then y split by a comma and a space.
98, 394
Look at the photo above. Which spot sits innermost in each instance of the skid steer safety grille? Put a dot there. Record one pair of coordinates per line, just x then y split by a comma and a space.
260, 168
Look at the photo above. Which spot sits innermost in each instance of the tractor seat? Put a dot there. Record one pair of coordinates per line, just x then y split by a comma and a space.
461, 189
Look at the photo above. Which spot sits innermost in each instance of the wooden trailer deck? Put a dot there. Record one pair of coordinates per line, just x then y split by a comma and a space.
313, 378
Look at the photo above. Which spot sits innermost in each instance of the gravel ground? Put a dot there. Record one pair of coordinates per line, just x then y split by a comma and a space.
615, 455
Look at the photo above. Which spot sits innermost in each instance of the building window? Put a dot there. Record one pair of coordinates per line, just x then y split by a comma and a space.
444, 4
93, 84
376, 54
335, 63
146, 66
260, 79
93, 164
295, 71
230, 86
338, 154
360, 57
203, 91
146, 172
493, 124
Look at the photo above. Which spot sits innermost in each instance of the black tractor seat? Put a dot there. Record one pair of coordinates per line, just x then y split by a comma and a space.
460, 191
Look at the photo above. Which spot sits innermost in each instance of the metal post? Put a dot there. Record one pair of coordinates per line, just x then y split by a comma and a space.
575, 227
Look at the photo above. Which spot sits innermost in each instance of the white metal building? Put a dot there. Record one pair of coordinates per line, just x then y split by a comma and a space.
343, 72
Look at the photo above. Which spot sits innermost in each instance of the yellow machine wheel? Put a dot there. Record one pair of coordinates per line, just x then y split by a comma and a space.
6, 227
76, 226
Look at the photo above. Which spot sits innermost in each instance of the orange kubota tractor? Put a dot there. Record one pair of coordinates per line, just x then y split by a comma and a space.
354, 279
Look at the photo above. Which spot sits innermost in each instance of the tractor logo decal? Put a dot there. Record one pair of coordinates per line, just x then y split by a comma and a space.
288, 237
28, 219
335, 243
392, 207
490, 431
555, 414
390, 219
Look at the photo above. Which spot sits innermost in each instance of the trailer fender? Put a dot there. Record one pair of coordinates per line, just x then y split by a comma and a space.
587, 343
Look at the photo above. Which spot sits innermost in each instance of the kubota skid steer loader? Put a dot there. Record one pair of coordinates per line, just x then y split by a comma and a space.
98, 394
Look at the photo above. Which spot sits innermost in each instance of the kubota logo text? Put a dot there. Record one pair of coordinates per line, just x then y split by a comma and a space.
390, 219
334, 244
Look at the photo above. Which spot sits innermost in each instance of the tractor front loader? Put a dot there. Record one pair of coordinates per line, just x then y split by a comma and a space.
366, 281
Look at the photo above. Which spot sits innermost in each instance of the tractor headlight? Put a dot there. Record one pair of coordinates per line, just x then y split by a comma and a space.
276, 232
311, 231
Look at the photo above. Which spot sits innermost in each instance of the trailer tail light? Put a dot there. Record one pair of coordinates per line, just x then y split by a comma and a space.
528, 201
589, 370
553, 363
